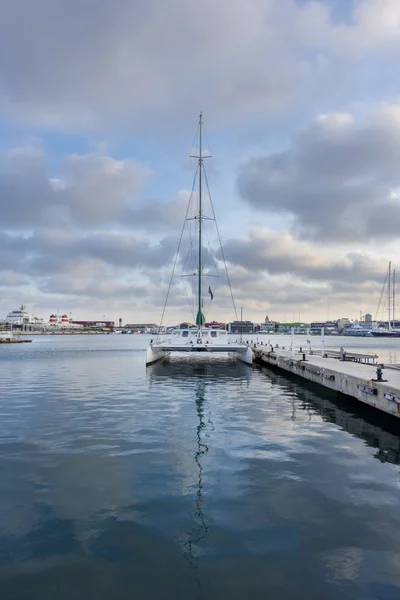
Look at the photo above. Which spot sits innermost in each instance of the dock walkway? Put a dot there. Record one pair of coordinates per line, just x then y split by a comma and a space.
355, 377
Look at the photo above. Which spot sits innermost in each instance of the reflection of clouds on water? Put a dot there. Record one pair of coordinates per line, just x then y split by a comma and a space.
343, 563
309, 403
191, 480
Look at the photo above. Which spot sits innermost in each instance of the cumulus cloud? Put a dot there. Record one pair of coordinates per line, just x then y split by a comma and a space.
278, 253
70, 229
93, 189
374, 29
338, 179
91, 192
52, 252
79, 64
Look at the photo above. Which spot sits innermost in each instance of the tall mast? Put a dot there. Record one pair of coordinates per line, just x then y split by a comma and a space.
389, 293
394, 296
200, 317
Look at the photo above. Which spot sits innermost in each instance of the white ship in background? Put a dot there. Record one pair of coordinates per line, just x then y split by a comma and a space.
357, 330
18, 317
22, 317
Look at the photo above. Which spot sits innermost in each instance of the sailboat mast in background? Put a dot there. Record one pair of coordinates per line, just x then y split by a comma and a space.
394, 296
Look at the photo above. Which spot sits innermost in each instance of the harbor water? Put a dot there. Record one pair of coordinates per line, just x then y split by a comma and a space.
206, 481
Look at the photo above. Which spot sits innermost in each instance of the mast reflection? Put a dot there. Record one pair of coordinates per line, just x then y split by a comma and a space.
198, 375
201, 530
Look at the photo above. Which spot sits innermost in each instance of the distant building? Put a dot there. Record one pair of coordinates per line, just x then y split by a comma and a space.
141, 326
343, 324
94, 323
240, 327
267, 327
299, 328
330, 327
215, 325
368, 318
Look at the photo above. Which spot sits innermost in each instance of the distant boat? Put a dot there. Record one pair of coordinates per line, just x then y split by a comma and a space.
18, 317
6, 335
357, 330
198, 339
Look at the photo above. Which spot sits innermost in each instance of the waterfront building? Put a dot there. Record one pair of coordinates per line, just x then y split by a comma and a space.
330, 327
215, 325
94, 323
299, 328
142, 327
240, 327
342, 323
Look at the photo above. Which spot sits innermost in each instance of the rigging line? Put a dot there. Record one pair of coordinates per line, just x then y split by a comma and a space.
190, 252
380, 299
220, 245
177, 254
191, 303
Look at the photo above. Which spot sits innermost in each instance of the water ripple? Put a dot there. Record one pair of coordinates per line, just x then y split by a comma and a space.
221, 481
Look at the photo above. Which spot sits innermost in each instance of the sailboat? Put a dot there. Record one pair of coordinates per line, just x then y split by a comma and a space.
390, 330
199, 339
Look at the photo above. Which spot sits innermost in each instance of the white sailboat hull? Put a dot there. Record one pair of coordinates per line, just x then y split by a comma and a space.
159, 351
155, 354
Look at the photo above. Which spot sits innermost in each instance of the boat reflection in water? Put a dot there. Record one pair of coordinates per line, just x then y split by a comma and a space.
376, 429
201, 374
209, 369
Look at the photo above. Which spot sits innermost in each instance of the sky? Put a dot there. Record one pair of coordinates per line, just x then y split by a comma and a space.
99, 104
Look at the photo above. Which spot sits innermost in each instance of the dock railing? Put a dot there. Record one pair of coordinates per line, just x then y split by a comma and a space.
341, 354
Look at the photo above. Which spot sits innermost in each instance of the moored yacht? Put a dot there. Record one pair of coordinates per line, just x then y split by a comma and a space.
358, 330
198, 340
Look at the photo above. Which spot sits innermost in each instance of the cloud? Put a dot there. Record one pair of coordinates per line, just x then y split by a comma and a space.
338, 179
279, 253
79, 64
92, 190
98, 189
51, 252
374, 30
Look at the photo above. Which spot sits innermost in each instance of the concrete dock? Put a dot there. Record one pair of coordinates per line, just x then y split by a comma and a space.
357, 378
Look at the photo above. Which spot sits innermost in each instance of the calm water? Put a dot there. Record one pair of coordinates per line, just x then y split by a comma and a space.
212, 482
